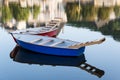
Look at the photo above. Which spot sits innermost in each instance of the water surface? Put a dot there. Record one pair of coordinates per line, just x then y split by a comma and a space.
104, 56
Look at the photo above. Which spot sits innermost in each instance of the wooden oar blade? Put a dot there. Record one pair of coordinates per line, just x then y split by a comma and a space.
88, 43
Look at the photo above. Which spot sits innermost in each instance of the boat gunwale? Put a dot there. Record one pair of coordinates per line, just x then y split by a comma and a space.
35, 32
49, 46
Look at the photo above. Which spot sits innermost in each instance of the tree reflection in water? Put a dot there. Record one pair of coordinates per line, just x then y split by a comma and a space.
95, 18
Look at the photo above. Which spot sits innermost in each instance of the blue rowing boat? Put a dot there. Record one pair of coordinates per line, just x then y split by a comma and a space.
22, 55
52, 46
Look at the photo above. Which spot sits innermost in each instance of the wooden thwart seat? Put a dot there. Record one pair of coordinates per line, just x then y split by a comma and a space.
53, 22
33, 41
57, 43
50, 24
44, 42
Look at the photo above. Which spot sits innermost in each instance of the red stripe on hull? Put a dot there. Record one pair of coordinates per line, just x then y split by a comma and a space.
51, 33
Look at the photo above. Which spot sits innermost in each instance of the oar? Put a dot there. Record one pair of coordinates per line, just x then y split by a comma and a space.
87, 43
92, 69
53, 27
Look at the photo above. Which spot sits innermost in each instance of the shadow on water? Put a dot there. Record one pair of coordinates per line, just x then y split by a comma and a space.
21, 55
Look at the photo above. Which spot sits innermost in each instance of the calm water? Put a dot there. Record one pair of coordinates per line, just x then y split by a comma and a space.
104, 56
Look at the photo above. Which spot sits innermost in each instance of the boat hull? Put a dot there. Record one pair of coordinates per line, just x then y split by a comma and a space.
50, 33
51, 50
25, 56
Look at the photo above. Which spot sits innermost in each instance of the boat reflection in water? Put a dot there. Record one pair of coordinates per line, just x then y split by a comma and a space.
21, 55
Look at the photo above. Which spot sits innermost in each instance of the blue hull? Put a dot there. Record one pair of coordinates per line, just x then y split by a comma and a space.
51, 50
25, 56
